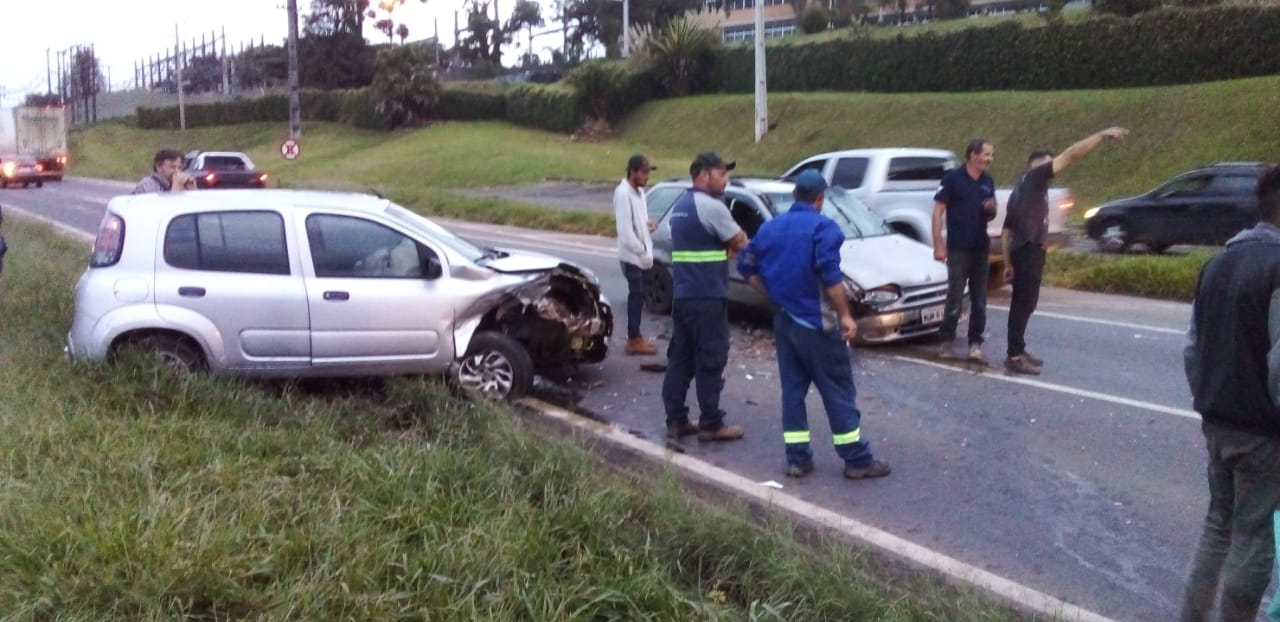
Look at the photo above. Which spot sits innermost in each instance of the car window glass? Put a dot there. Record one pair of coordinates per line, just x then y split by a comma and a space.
659, 200
347, 247
915, 173
224, 163
854, 218
745, 213
1185, 186
1235, 184
250, 242
849, 172
816, 165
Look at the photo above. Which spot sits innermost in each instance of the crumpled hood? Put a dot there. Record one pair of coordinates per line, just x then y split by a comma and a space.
897, 259
522, 261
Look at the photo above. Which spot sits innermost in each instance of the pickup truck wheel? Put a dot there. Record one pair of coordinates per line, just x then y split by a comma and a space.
26, 184
1114, 237
658, 289
39, 184
495, 367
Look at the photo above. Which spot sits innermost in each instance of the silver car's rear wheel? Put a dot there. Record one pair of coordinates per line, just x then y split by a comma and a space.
495, 367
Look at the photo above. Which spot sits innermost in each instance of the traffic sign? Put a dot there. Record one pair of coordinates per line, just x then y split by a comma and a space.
290, 149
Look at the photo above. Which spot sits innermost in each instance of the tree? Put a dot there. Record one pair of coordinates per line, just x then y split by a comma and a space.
600, 21
331, 17
527, 14
203, 74
42, 99
405, 88
388, 28
485, 36
681, 56
402, 31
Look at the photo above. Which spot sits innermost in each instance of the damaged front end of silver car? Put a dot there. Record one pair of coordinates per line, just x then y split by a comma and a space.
559, 316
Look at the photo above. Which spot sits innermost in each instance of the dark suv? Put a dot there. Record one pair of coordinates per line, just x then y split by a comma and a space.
1207, 205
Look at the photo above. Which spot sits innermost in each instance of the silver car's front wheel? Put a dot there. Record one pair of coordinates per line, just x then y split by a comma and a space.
495, 367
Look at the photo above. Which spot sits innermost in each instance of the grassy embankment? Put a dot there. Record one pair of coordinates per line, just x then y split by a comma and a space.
1174, 128
131, 495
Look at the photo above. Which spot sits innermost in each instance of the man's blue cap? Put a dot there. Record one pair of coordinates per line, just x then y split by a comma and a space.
810, 182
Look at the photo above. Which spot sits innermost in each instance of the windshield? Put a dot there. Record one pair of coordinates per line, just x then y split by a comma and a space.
435, 232
855, 220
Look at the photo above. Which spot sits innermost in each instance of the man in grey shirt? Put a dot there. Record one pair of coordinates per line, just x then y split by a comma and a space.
166, 174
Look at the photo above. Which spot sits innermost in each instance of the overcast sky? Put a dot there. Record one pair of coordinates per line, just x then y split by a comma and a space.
126, 31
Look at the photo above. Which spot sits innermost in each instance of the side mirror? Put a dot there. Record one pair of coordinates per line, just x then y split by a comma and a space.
431, 268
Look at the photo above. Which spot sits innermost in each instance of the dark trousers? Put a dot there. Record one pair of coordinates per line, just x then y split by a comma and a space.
966, 266
1237, 546
807, 356
699, 349
635, 296
1028, 268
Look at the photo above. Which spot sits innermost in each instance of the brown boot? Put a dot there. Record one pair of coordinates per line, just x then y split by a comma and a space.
725, 433
639, 346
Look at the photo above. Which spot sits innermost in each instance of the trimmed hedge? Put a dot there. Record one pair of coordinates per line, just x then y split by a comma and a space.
1168, 46
463, 105
610, 89
553, 107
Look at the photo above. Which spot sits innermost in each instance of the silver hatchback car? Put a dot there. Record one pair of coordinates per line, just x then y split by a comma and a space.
284, 283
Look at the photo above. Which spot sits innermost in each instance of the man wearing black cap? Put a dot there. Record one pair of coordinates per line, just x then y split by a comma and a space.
703, 234
635, 247
795, 260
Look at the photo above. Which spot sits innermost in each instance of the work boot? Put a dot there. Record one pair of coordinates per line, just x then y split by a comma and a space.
799, 470
681, 430
639, 346
877, 468
1033, 360
975, 353
1021, 364
724, 433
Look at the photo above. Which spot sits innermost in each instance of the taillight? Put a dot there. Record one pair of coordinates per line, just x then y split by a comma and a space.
210, 178
108, 244
39, 167
262, 177
62, 159
1066, 203
8, 168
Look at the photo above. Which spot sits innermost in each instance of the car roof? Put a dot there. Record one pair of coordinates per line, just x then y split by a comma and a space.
890, 151
1247, 166
245, 199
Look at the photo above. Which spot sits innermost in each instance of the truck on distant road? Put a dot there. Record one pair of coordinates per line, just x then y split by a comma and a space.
898, 184
38, 133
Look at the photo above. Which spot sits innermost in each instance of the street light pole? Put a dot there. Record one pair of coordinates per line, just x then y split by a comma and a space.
626, 28
295, 106
762, 89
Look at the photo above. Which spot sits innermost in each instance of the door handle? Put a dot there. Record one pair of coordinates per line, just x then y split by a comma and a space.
336, 296
191, 292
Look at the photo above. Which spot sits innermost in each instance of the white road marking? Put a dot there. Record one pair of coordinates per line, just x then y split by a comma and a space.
1104, 397
63, 227
1090, 320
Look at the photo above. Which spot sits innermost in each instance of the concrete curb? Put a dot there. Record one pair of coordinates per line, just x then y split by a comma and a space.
618, 444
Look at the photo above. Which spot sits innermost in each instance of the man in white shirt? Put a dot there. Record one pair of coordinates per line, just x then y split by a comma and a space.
635, 247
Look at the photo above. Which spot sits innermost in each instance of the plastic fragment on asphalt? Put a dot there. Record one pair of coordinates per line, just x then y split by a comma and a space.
771, 484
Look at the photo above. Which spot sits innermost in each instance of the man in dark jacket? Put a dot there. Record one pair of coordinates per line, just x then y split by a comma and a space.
1233, 366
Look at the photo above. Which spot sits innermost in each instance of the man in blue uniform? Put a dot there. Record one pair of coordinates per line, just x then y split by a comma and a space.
795, 260
703, 234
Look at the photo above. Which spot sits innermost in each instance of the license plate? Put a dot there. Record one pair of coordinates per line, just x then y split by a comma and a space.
931, 315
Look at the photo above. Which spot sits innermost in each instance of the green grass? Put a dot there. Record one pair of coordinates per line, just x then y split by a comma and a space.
1156, 276
129, 494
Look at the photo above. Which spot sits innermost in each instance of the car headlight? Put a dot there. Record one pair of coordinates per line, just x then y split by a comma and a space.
882, 295
1091, 212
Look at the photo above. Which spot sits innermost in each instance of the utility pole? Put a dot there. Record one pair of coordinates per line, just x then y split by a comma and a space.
48, 72
226, 85
626, 27
177, 64
295, 106
762, 89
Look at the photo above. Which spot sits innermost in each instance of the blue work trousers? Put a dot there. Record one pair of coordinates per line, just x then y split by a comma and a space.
699, 349
807, 356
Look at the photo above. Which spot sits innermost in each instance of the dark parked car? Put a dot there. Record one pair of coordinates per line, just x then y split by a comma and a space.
1207, 205
223, 169
20, 169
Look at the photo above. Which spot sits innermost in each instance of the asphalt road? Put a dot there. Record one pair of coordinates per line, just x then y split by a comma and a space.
1086, 483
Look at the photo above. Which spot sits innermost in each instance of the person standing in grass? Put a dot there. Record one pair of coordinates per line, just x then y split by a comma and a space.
1232, 362
1024, 235
635, 247
795, 261
966, 199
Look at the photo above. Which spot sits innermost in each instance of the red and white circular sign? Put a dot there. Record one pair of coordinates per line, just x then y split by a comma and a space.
290, 149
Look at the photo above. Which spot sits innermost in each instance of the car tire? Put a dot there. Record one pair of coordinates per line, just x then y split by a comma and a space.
39, 184
179, 353
495, 367
658, 289
1114, 236
26, 184
1157, 248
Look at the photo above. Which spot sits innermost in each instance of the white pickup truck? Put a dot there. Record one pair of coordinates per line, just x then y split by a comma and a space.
899, 184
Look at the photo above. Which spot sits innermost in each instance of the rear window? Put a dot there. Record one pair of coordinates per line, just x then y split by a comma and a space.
816, 165
917, 173
1235, 184
225, 163
251, 242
